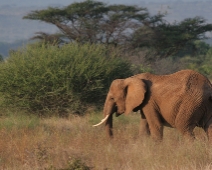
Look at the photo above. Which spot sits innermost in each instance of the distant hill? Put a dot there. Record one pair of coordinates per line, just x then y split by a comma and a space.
6, 47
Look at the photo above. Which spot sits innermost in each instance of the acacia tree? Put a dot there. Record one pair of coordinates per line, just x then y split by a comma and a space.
168, 39
53, 39
122, 25
94, 22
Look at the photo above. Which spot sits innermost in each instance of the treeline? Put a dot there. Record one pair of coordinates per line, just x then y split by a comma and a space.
69, 71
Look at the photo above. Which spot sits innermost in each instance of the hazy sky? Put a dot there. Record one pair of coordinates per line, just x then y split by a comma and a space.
67, 2
36, 2
13, 27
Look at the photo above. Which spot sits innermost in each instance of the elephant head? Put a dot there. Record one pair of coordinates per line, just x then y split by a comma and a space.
123, 97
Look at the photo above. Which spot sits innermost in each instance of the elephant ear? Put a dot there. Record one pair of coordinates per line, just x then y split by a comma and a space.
136, 90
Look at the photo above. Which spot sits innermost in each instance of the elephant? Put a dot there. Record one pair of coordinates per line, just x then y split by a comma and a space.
182, 100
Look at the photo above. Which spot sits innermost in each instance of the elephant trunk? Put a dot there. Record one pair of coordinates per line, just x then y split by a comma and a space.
109, 126
109, 109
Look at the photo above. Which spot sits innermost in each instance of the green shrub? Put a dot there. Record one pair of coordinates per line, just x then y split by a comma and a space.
77, 164
141, 68
200, 63
43, 78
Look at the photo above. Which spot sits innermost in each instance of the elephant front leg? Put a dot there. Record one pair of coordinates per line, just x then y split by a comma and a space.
144, 127
154, 123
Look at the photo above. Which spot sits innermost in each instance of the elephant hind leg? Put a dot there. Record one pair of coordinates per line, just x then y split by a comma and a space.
187, 119
186, 129
208, 130
188, 134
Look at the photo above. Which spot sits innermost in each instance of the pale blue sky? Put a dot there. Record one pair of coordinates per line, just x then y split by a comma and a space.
67, 2
13, 27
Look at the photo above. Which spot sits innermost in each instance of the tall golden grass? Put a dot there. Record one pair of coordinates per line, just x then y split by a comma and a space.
28, 143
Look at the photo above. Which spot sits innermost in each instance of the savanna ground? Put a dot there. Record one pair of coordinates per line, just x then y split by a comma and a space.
29, 142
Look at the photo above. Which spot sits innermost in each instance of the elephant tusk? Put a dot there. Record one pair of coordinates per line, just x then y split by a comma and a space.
102, 121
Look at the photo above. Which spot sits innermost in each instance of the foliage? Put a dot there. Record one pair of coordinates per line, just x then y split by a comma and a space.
201, 60
122, 25
141, 68
53, 39
73, 164
77, 164
169, 39
201, 48
45, 78
94, 21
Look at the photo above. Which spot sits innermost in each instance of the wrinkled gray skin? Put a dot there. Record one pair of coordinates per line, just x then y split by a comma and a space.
181, 100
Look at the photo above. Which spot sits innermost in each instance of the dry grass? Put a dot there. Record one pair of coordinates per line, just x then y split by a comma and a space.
54, 143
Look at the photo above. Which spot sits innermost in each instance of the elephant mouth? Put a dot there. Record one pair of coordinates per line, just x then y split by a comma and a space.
115, 110
117, 114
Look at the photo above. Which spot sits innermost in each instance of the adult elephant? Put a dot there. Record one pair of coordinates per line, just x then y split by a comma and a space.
182, 100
